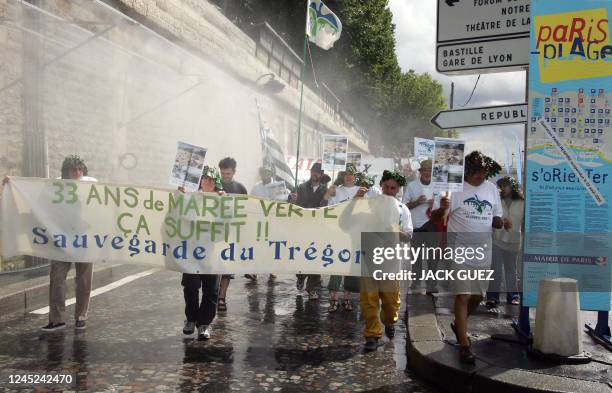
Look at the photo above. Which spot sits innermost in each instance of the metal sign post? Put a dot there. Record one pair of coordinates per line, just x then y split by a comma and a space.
480, 36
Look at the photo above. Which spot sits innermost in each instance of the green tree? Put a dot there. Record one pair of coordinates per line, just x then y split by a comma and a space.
362, 67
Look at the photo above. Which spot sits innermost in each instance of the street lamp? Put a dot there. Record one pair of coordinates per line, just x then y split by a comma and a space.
270, 86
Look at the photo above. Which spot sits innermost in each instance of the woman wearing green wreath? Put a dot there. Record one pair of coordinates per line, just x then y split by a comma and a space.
200, 314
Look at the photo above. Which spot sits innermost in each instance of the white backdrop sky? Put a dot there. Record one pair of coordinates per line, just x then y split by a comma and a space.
415, 36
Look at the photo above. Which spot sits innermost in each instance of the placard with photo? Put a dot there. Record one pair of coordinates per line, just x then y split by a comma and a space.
188, 166
335, 148
448, 165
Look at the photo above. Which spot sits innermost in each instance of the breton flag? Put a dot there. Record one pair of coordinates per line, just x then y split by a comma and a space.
322, 26
273, 156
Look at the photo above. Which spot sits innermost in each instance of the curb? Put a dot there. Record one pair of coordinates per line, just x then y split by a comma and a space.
438, 362
37, 296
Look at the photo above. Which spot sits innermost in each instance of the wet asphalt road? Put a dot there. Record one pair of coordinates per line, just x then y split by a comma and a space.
271, 339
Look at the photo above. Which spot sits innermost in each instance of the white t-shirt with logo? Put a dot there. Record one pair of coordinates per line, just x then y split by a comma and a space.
470, 217
413, 191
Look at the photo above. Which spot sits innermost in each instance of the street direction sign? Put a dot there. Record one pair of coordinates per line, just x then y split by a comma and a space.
471, 20
480, 36
481, 116
493, 55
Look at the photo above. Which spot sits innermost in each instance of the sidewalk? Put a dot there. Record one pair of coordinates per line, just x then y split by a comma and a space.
500, 366
271, 339
30, 290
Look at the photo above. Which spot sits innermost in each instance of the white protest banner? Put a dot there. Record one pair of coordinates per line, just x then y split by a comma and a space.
188, 166
195, 232
423, 148
448, 164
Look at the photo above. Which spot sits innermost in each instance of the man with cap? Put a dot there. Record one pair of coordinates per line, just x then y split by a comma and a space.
310, 195
419, 198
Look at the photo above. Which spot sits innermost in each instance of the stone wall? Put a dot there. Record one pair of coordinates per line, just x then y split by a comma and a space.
123, 98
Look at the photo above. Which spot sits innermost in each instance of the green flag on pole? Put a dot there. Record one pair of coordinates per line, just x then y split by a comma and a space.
323, 27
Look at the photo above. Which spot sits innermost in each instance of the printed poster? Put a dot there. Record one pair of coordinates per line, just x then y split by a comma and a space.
335, 148
448, 163
568, 164
188, 166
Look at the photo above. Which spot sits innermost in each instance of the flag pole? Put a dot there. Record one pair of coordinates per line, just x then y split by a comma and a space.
299, 130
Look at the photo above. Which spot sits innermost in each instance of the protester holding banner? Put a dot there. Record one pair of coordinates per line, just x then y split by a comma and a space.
309, 195
507, 243
227, 168
472, 213
334, 195
73, 168
380, 300
201, 314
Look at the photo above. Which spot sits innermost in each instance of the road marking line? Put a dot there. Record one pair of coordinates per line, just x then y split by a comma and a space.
101, 290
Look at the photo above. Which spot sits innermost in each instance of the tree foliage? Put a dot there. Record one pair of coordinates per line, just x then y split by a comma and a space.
362, 67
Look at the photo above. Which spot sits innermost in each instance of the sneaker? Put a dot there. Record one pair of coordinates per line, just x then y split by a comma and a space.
80, 325
371, 344
390, 331
203, 332
189, 328
313, 295
299, 284
51, 327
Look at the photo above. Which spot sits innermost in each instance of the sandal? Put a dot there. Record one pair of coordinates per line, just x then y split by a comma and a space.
454, 329
221, 306
333, 305
347, 304
466, 356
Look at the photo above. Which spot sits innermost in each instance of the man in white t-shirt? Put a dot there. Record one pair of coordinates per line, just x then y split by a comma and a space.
418, 196
268, 188
472, 215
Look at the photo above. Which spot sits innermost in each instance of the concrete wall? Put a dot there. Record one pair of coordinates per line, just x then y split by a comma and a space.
123, 99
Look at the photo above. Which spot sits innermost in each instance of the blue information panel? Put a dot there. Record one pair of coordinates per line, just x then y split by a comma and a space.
569, 182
